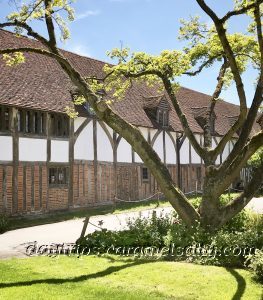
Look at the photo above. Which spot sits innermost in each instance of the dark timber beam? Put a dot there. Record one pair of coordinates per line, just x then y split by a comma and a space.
95, 146
14, 132
48, 132
179, 142
71, 162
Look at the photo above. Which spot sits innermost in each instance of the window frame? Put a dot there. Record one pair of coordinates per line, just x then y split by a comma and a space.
5, 124
163, 117
59, 126
145, 180
31, 122
57, 183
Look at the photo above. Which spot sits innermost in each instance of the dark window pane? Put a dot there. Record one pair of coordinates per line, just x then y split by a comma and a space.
58, 175
53, 175
145, 175
28, 121
36, 129
6, 119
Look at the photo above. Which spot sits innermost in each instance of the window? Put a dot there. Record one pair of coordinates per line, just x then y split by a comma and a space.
162, 117
4, 118
31, 122
145, 174
58, 176
59, 125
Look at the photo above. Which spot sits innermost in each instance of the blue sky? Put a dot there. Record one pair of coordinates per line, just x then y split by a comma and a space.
142, 25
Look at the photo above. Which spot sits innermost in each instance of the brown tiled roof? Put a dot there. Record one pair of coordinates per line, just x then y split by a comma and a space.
41, 84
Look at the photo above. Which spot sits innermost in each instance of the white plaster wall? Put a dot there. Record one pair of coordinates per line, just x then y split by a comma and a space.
104, 148
109, 129
137, 158
59, 151
83, 149
170, 150
77, 122
213, 146
32, 149
184, 152
6, 148
194, 156
158, 145
228, 148
231, 145
144, 132
152, 132
124, 151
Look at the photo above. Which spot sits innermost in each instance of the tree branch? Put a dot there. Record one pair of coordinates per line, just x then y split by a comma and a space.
32, 50
224, 176
257, 14
230, 56
210, 109
245, 132
203, 65
169, 89
30, 31
240, 11
50, 26
236, 205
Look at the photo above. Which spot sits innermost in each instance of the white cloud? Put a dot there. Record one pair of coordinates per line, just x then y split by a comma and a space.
80, 49
86, 14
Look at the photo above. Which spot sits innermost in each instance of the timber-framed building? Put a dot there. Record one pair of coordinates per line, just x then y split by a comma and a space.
50, 162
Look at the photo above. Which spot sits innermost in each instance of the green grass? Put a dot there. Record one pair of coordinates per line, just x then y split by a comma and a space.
121, 207
27, 221
115, 278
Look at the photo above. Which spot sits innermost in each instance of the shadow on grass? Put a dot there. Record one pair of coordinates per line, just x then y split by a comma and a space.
81, 278
241, 284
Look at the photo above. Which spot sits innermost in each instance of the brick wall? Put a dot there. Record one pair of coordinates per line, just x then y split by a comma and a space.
36, 196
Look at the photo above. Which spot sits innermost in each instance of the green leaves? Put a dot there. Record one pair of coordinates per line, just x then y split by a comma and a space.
142, 67
60, 10
14, 59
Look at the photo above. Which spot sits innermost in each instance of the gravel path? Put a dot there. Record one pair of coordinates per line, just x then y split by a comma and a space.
13, 243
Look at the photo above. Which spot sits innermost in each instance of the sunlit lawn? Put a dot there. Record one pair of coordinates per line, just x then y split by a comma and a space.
113, 278
69, 215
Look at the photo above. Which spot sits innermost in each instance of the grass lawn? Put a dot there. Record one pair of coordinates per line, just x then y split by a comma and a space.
115, 278
121, 207
28, 221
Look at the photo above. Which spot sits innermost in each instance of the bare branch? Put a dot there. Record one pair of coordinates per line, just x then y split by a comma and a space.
28, 49
245, 132
30, 31
188, 132
236, 205
230, 56
240, 11
50, 27
226, 175
257, 15
202, 66
169, 89
210, 109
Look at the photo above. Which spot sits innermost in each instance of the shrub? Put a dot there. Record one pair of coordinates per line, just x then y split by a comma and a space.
141, 232
227, 247
4, 223
255, 262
